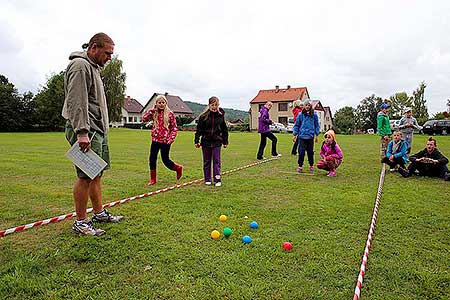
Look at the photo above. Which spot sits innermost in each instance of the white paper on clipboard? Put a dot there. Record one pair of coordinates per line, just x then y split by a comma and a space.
89, 162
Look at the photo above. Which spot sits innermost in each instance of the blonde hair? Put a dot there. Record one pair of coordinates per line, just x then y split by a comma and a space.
297, 103
166, 111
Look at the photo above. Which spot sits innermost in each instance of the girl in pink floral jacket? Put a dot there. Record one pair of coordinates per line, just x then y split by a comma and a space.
331, 154
164, 132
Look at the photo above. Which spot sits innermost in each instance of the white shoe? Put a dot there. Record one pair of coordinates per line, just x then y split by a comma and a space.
219, 183
278, 155
208, 182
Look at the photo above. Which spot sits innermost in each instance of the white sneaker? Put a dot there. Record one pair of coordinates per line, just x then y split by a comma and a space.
208, 182
219, 183
278, 155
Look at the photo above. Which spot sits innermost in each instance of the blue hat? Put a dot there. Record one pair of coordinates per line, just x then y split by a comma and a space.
384, 105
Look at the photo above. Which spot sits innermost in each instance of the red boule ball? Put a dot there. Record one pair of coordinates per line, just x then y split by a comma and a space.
287, 246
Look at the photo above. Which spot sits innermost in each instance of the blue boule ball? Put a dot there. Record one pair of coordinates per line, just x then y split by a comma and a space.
246, 239
254, 225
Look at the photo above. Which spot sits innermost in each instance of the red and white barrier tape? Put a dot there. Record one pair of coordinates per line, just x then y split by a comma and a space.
369, 237
118, 202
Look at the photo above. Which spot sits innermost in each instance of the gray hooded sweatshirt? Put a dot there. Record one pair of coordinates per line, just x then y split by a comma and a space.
85, 102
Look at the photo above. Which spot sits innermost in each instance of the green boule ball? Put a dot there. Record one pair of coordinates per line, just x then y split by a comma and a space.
227, 231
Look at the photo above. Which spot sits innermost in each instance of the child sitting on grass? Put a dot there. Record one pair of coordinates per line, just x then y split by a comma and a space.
396, 152
331, 154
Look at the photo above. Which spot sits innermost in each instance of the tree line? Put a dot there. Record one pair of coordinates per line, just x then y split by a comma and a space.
349, 120
42, 112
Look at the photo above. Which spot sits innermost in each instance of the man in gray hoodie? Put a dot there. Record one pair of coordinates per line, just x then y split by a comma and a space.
87, 123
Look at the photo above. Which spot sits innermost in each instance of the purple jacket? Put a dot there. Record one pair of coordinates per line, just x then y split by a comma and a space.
335, 153
264, 121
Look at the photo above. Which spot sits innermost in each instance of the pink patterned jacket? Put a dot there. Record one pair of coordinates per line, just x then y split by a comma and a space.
160, 134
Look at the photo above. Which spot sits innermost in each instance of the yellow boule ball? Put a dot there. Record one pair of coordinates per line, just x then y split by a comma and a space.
223, 218
215, 234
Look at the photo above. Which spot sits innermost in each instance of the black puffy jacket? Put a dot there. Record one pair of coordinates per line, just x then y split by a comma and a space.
212, 129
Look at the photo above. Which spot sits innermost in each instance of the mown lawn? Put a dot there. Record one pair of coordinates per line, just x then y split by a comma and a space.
164, 251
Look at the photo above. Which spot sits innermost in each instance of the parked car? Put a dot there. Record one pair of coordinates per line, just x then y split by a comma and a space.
433, 127
277, 127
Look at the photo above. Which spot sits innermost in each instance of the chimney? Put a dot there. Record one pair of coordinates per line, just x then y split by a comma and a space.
288, 87
128, 98
277, 88
166, 94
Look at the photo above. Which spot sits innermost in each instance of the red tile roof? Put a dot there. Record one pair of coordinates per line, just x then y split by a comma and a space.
132, 105
175, 103
316, 105
280, 95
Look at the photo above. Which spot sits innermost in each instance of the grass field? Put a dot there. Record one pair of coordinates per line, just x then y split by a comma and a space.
163, 250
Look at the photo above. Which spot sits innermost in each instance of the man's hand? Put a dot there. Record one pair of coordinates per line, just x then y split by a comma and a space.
197, 145
83, 141
294, 138
316, 139
391, 158
225, 145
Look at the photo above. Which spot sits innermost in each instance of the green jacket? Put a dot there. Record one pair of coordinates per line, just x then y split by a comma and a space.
383, 125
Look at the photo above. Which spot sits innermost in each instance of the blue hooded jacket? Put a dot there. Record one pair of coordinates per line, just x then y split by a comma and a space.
401, 151
306, 126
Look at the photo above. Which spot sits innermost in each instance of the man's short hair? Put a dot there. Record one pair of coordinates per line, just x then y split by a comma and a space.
431, 139
100, 39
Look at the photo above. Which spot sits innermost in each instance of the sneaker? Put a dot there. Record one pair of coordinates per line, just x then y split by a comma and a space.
447, 176
86, 227
218, 183
299, 169
311, 169
208, 182
106, 216
392, 170
260, 158
278, 155
404, 172
332, 174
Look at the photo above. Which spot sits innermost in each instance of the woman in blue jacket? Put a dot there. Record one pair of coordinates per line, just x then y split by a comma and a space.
306, 129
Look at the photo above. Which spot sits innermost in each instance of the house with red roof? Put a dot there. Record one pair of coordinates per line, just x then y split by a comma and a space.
175, 103
131, 113
282, 99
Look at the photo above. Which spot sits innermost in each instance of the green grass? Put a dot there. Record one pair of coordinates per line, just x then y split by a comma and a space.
163, 250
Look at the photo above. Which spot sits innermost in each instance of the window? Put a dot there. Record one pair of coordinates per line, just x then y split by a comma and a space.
282, 106
260, 106
283, 120
130, 119
135, 119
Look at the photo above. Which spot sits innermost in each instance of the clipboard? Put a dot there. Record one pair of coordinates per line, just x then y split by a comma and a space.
89, 162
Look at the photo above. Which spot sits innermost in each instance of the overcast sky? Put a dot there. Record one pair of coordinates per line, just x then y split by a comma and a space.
342, 51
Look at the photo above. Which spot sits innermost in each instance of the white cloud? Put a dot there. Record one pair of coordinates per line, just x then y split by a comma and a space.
342, 51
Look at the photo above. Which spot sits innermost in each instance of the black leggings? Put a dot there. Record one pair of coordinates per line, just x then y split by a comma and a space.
263, 142
308, 146
154, 149
397, 161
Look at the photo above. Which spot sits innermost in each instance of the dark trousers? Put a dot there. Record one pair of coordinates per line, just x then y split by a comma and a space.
263, 142
308, 146
211, 154
392, 164
154, 149
295, 147
425, 169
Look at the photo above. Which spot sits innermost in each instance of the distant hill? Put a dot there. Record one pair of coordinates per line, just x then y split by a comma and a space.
230, 113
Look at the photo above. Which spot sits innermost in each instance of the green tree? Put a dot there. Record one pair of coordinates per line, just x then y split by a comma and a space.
419, 106
114, 83
49, 101
399, 102
367, 111
16, 111
345, 120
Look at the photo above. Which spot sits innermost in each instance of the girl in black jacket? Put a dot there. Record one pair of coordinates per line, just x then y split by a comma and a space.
212, 129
